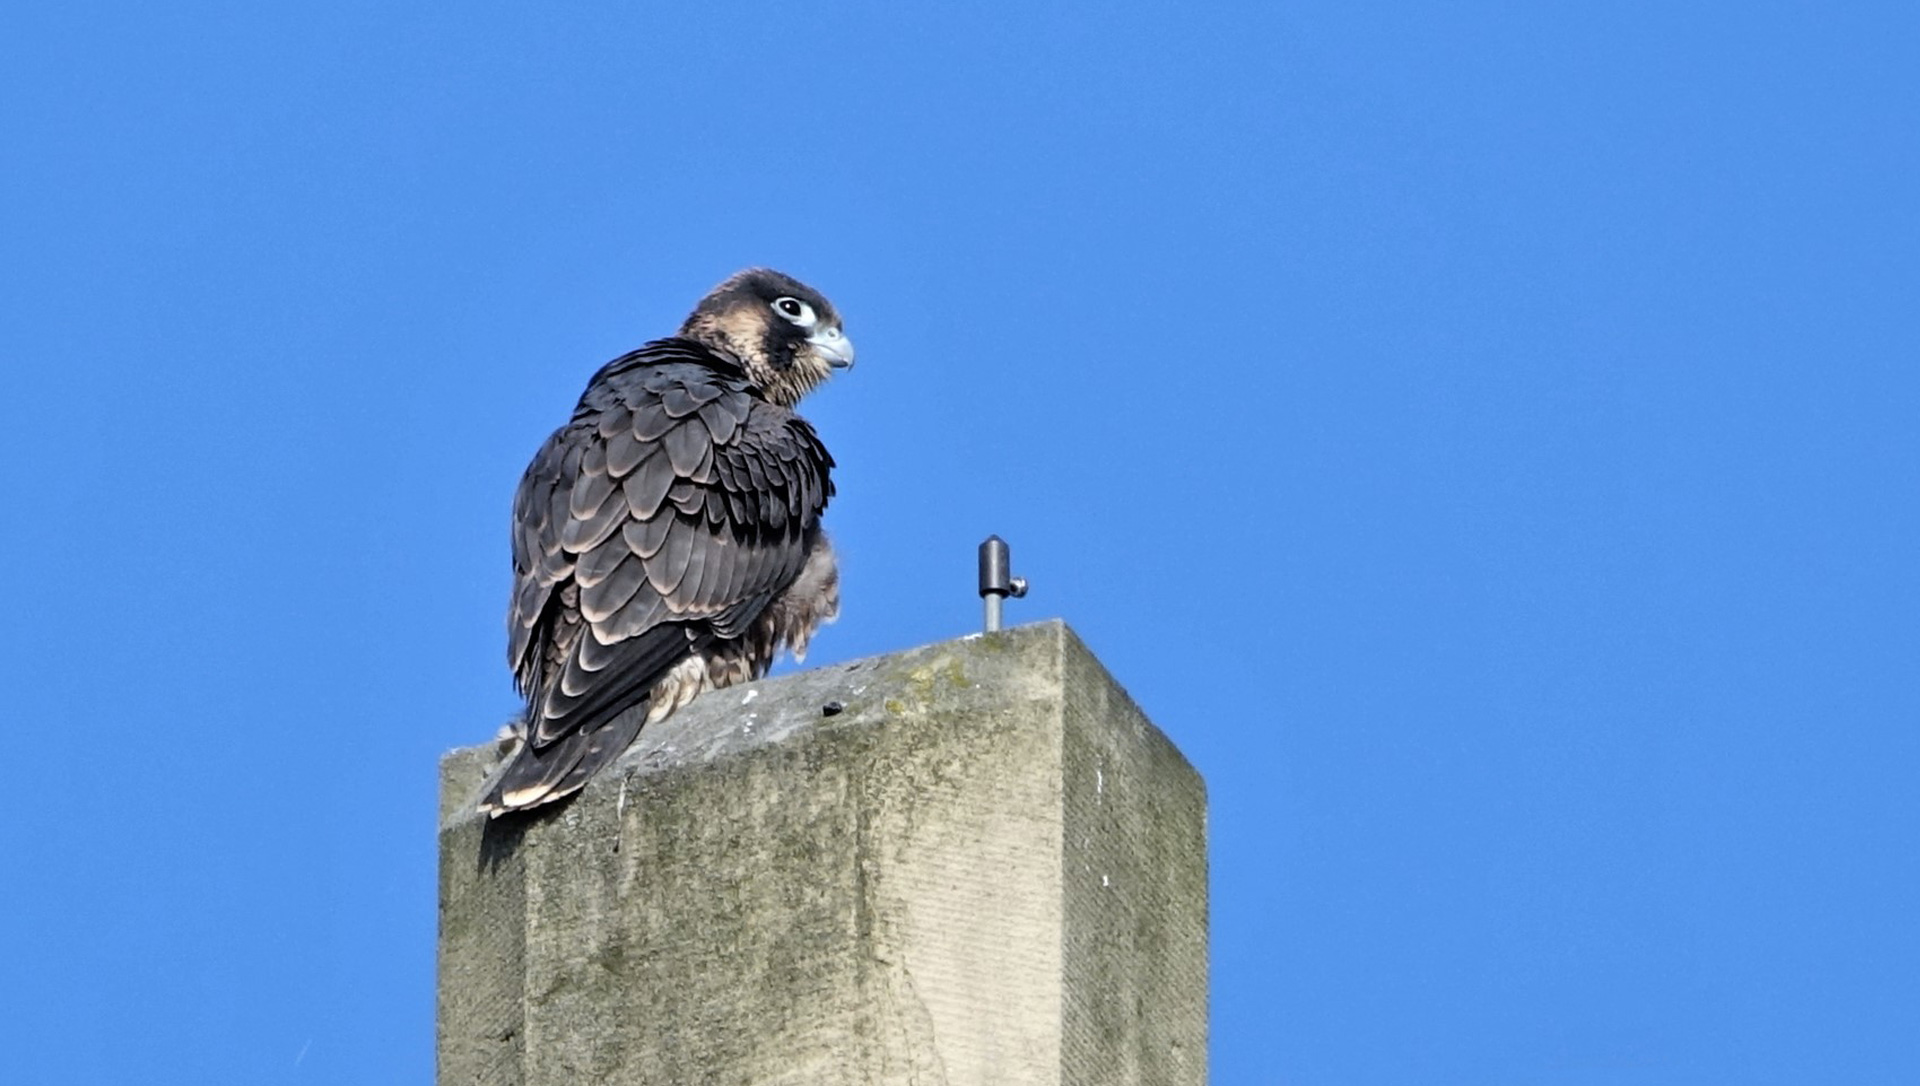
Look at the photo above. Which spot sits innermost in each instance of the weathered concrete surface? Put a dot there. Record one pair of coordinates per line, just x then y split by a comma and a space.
989, 868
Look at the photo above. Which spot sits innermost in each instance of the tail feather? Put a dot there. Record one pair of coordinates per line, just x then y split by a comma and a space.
559, 769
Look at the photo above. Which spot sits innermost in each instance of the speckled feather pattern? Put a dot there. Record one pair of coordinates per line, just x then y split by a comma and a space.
666, 541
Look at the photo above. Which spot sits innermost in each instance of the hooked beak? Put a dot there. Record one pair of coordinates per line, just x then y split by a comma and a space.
834, 346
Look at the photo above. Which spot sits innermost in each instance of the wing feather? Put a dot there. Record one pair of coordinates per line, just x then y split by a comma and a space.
589, 530
599, 563
598, 602
686, 497
667, 568
625, 450
680, 401
648, 485
647, 536
651, 421
686, 599
641, 613
687, 444
665, 516
720, 421
616, 420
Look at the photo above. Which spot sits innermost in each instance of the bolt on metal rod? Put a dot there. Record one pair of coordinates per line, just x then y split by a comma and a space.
997, 581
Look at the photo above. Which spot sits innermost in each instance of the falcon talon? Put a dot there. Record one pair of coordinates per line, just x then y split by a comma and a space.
667, 539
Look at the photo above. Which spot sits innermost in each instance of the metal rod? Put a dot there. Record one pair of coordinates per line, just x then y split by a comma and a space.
997, 581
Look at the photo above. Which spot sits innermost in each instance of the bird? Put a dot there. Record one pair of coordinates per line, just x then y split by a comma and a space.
666, 540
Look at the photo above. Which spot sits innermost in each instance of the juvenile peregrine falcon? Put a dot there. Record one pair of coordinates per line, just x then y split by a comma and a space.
667, 539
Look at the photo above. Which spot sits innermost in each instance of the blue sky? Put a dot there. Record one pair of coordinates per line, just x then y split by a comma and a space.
1481, 435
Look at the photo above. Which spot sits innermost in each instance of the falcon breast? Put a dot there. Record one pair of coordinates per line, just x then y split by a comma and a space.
667, 539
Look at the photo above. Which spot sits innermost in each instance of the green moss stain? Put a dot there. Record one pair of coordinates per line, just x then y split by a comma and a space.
926, 681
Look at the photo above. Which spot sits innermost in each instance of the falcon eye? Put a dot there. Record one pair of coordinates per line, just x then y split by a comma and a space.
796, 311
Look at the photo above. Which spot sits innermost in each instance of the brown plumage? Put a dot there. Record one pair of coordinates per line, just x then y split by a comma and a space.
667, 539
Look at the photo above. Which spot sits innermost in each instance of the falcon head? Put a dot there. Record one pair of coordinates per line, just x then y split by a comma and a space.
785, 333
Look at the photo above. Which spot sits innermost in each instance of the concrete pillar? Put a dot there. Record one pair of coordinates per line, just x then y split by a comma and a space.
986, 868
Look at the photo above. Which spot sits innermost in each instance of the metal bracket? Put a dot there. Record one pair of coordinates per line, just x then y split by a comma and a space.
997, 581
